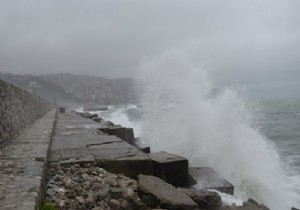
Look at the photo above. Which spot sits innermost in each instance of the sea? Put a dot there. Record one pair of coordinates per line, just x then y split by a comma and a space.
278, 123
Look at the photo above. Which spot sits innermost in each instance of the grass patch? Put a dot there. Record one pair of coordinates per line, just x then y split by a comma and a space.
48, 206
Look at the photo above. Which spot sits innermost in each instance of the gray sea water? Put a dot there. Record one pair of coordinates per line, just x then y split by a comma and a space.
281, 124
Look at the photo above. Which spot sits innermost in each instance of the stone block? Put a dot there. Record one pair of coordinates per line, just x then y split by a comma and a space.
155, 192
171, 168
93, 116
125, 134
98, 119
248, 205
205, 199
121, 158
145, 149
204, 178
139, 145
62, 110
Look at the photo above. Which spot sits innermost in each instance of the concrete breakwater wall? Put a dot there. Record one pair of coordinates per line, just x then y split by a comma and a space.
131, 177
18, 110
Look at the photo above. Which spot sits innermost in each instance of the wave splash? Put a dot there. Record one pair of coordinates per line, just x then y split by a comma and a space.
215, 130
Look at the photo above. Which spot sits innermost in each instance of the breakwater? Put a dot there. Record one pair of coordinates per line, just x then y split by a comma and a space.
95, 164
18, 110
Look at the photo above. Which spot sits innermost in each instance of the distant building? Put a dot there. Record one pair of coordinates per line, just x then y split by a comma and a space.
34, 84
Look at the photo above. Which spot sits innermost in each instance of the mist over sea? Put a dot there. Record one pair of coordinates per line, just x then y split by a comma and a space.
255, 144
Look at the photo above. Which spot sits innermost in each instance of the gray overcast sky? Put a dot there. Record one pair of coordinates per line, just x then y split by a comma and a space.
253, 42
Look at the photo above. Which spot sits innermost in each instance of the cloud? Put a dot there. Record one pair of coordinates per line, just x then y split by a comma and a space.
248, 41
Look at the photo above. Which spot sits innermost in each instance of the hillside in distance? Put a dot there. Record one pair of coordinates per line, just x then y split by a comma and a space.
98, 89
68, 87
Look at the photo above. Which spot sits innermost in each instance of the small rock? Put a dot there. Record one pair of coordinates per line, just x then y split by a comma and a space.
61, 203
115, 184
85, 176
114, 204
99, 196
128, 193
79, 199
57, 178
78, 189
98, 179
67, 182
90, 198
97, 208
124, 204
116, 192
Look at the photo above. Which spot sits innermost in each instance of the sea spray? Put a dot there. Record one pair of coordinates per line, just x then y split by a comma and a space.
209, 129
119, 116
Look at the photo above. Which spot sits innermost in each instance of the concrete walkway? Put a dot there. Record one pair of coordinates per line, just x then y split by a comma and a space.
22, 166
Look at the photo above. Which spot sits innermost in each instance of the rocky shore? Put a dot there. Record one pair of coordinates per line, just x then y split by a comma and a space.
86, 186
90, 187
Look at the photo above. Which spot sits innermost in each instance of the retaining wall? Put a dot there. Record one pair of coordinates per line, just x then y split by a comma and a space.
18, 109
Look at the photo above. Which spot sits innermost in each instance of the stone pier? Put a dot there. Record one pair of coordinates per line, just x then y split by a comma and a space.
65, 140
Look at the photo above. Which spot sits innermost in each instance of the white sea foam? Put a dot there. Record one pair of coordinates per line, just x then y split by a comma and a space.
229, 199
118, 116
216, 131
79, 109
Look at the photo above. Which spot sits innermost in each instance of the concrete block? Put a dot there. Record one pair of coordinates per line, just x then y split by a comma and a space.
139, 145
121, 158
171, 168
125, 134
98, 119
62, 110
206, 178
145, 149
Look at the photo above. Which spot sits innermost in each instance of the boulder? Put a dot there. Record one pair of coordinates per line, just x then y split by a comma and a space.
156, 192
98, 119
254, 203
204, 178
171, 168
248, 205
205, 199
